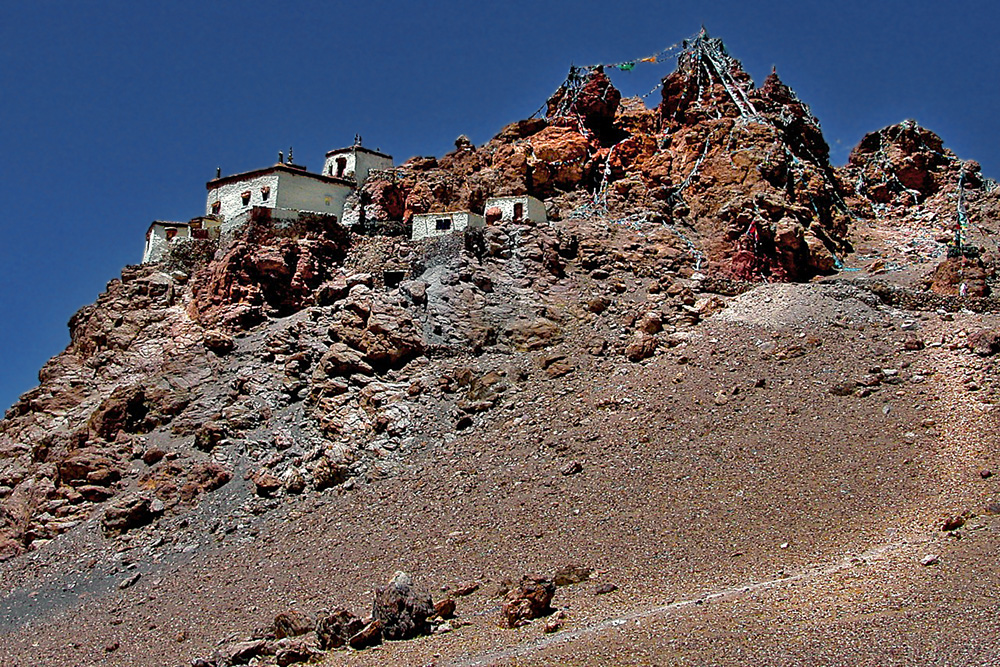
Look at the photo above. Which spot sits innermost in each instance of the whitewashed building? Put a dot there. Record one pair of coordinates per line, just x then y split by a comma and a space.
287, 190
354, 163
516, 208
161, 234
439, 224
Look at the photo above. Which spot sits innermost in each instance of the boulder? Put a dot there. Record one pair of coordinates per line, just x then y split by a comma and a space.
341, 361
240, 653
88, 466
402, 608
336, 628
445, 608
266, 484
219, 341
292, 651
571, 574
371, 635
292, 623
985, 342
528, 600
641, 346
132, 511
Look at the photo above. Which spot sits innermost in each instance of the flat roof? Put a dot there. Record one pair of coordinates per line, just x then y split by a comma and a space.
280, 167
168, 223
418, 215
352, 149
489, 199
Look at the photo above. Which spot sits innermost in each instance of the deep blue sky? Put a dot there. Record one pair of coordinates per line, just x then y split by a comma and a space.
113, 114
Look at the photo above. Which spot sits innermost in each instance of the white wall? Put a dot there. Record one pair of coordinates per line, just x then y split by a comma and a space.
229, 194
298, 192
534, 209
359, 163
366, 162
425, 224
303, 193
157, 243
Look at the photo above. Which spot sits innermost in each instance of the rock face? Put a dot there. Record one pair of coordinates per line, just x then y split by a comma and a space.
402, 609
903, 162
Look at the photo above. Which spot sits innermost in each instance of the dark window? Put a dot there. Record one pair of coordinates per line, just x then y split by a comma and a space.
392, 277
245, 196
171, 233
442, 224
518, 211
265, 192
341, 166
216, 207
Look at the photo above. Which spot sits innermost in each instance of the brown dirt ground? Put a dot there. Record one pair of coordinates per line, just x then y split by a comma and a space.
695, 483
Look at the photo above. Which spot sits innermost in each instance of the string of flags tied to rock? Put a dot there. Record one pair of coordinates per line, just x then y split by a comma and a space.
712, 64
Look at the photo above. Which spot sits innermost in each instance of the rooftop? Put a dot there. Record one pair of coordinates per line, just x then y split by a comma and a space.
279, 167
351, 149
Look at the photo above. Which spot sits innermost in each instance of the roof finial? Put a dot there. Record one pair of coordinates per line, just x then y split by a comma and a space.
218, 172
357, 139
291, 160
281, 157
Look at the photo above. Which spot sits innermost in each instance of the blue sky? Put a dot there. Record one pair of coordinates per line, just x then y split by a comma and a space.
113, 114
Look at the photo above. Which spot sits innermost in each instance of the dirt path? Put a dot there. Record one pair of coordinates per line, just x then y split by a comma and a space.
816, 573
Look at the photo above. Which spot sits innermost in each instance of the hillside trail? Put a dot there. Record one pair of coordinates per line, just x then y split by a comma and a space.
875, 557
966, 425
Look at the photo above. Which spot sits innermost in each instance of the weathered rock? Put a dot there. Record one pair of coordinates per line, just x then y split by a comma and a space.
266, 484
571, 574
465, 588
571, 468
953, 523
336, 628
445, 608
88, 466
292, 651
209, 435
985, 342
596, 102
528, 600
641, 346
292, 623
341, 361
533, 334
370, 636
241, 653
219, 341
132, 511
402, 608
845, 388
960, 276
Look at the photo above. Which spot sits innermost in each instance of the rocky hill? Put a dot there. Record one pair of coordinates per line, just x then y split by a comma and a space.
722, 365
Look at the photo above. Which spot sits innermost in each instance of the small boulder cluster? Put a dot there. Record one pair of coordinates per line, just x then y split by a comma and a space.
401, 610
